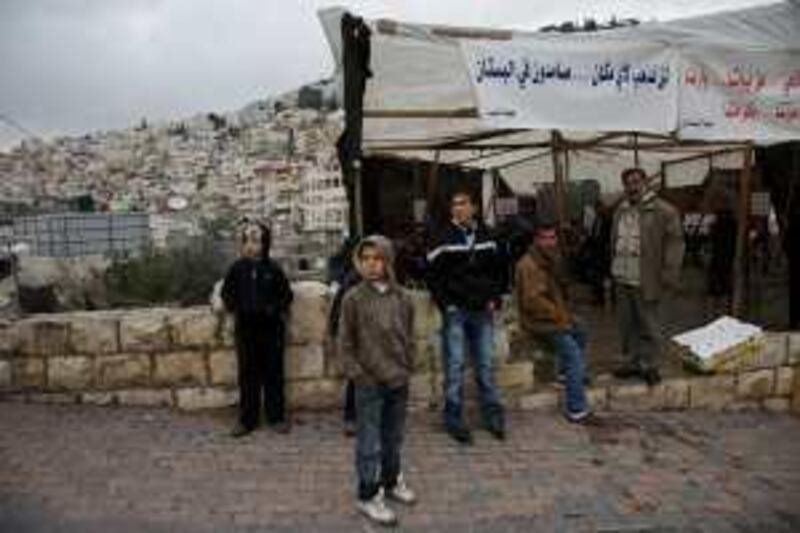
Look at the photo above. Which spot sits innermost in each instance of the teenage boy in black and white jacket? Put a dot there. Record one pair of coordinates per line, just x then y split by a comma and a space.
466, 274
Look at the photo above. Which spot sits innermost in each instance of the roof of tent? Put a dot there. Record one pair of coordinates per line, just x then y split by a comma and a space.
420, 97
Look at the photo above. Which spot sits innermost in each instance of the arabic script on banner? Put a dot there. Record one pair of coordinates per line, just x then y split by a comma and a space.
574, 85
740, 96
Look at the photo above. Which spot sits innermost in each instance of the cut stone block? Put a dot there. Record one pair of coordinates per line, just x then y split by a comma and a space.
223, 367
539, 401
777, 405
180, 368
634, 397
145, 397
305, 362
756, 385
9, 338
315, 394
193, 328
95, 335
73, 373
674, 394
144, 331
309, 313
123, 371
28, 372
784, 378
98, 398
43, 337
5, 374
775, 352
205, 398
714, 392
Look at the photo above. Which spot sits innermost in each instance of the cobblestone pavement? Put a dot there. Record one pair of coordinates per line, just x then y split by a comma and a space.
90, 469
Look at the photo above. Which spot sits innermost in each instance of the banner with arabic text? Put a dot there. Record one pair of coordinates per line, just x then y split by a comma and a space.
739, 96
580, 85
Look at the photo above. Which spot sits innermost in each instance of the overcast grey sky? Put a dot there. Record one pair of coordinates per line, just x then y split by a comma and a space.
72, 66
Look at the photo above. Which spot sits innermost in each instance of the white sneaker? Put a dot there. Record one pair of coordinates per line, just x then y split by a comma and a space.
402, 493
376, 510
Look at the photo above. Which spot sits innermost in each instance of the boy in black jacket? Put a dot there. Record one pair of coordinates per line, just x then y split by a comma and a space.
466, 277
258, 294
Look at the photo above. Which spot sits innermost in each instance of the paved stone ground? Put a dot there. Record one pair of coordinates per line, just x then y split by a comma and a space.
92, 469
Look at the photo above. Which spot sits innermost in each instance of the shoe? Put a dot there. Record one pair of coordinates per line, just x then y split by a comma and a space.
282, 427
580, 417
375, 509
627, 372
585, 418
498, 432
460, 434
349, 429
401, 492
651, 376
240, 430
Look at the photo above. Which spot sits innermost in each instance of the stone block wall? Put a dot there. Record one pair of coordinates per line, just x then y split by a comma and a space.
184, 357
772, 383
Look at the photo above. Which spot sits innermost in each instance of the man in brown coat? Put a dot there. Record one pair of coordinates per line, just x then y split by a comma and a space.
540, 295
647, 252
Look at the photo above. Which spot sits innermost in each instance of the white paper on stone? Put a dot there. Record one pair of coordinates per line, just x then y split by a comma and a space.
718, 336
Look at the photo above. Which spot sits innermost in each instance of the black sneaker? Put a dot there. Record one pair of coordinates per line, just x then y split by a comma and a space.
498, 432
460, 434
240, 430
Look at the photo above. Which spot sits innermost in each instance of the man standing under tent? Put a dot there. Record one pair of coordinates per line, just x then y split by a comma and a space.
466, 278
647, 253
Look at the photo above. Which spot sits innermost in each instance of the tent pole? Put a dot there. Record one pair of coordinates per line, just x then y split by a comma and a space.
433, 183
359, 201
635, 149
558, 181
740, 267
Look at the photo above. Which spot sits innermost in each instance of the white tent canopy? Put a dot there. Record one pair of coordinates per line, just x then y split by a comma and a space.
421, 99
419, 70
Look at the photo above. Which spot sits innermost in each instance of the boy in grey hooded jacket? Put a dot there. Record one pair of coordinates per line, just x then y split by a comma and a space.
376, 344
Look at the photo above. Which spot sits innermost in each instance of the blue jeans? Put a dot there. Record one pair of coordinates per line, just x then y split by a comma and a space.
380, 423
473, 330
569, 346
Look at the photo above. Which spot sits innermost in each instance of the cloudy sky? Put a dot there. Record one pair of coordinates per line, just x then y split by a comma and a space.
71, 66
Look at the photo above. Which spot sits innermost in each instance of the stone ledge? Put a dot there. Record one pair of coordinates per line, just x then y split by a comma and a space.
145, 397
205, 398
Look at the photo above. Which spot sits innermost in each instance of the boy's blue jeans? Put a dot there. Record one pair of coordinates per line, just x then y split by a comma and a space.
473, 330
380, 423
569, 346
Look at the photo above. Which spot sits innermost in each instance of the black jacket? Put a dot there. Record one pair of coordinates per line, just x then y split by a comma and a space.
464, 276
256, 287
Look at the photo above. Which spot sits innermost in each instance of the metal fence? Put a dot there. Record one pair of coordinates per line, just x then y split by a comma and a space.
76, 234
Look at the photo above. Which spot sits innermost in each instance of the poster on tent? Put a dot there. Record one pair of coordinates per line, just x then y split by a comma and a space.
735, 96
578, 84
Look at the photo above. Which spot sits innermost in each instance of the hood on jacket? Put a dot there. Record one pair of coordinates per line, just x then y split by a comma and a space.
384, 247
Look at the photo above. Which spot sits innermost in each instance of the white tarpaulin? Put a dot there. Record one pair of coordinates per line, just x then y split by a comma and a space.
574, 84
727, 95
419, 69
